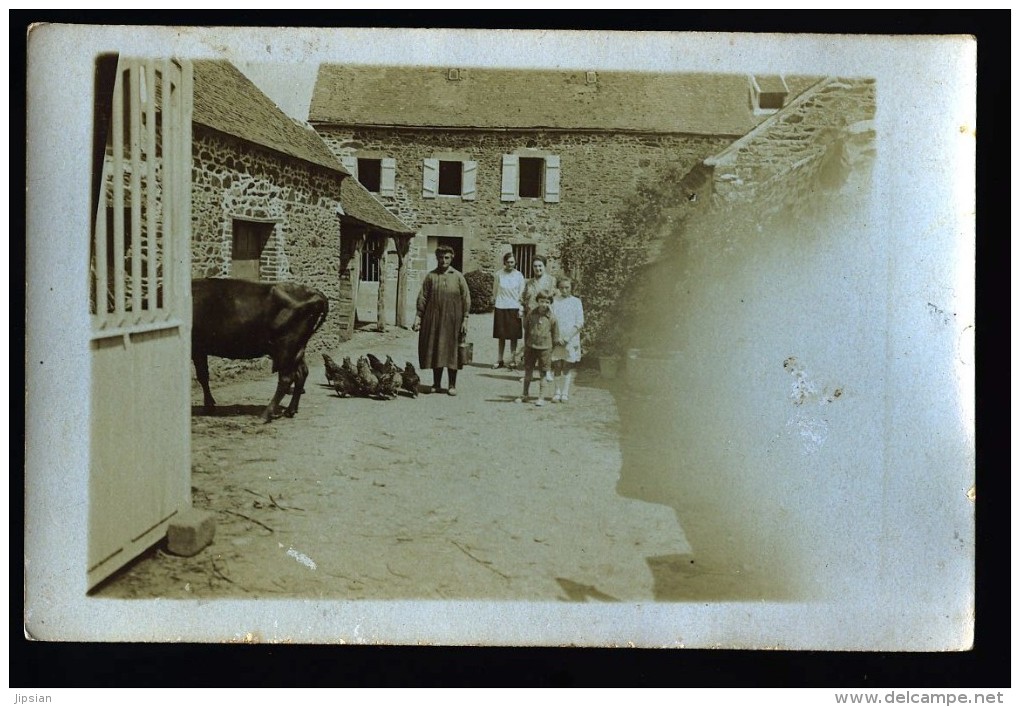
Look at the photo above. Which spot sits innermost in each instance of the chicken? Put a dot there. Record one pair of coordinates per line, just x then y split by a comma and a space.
367, 381
389, 376
352, 372
389, 383
410, 381
342, 378
378, 367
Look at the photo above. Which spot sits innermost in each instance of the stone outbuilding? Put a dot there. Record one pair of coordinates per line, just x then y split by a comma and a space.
269, 199
490, 160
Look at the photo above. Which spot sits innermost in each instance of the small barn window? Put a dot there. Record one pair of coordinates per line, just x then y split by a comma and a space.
768, 93
524, 254
250, 238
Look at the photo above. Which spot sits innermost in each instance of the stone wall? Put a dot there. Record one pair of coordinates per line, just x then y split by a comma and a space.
787, 169
598, 172
807, 148
234, 179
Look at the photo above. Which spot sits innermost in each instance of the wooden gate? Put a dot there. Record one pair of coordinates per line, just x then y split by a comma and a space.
140, 302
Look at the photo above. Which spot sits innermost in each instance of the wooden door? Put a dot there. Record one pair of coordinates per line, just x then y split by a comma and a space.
250, 238
140, 475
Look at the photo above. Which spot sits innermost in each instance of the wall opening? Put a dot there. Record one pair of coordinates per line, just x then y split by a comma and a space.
450, 177
524, 254
249, 240
531, 171
370, 173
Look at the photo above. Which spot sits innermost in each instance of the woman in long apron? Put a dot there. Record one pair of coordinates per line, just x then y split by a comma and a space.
443, 305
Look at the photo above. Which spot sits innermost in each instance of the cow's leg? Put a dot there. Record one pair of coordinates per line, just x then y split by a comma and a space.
202, 373
282, 385
300, 375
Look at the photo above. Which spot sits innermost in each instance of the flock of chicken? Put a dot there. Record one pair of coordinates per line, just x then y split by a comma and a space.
371, 378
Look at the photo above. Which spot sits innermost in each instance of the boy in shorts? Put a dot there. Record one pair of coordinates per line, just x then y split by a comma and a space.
541, 332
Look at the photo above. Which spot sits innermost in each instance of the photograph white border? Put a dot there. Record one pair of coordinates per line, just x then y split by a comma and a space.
926, 89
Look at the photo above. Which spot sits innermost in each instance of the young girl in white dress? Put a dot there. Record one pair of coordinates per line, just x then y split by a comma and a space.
566, 354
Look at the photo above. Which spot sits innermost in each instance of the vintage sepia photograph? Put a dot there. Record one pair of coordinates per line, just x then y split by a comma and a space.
500, 338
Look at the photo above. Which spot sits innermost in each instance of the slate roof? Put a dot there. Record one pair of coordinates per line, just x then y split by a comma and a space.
406, 96
227, 101
360, 204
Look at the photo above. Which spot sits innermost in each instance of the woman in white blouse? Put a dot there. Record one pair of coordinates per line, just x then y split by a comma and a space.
507, 290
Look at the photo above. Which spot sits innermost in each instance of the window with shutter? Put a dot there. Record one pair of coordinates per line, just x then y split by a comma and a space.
469, 181
450, 174
552, 178
430, 178
388, 177
451, 178
370, 173
509, 183
350, 163
529, 177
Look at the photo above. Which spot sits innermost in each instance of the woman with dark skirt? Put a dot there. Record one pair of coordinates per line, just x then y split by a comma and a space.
443, 305
507, 290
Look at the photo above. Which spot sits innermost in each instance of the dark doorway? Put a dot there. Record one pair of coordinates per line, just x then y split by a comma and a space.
457, 244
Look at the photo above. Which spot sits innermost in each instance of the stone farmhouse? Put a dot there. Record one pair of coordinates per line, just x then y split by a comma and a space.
489, 160
269, 200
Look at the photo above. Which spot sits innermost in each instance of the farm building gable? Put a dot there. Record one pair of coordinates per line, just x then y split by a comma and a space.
227, 101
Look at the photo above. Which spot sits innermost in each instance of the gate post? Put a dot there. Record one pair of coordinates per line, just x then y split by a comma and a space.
403, 245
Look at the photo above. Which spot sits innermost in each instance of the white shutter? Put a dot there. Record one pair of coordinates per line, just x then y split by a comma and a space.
388, 178
552, 178
468, 191
350, 163
509, 190
430, 179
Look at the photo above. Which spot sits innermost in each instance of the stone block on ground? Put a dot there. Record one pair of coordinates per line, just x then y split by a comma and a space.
190, 532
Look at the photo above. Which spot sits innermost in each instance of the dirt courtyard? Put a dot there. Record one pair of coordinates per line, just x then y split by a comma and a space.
466, 497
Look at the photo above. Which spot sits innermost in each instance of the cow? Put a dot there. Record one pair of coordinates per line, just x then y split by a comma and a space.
242, 319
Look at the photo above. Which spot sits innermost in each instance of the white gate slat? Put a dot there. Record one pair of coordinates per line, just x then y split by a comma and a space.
152, 254
134, 110
118, 198
182, 191
102, 259
169, 217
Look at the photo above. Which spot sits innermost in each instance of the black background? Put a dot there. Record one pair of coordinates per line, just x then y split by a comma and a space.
39, 665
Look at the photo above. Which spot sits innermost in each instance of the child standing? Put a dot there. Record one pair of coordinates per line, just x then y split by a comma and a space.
541, 332
566, 354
